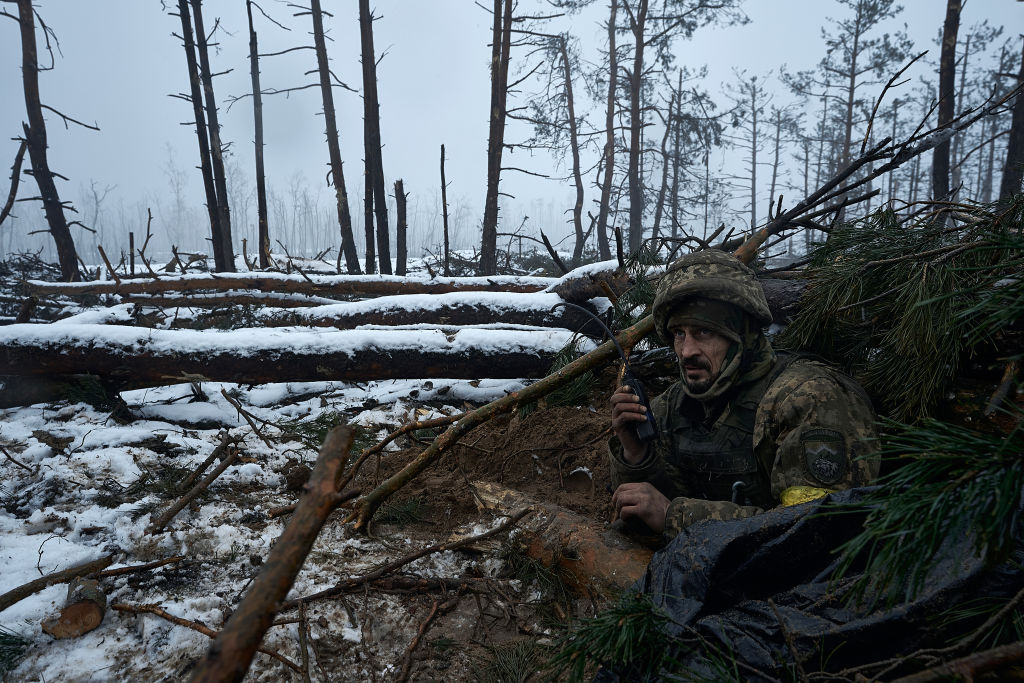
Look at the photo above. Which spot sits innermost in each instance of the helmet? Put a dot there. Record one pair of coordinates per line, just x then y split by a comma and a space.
712, 274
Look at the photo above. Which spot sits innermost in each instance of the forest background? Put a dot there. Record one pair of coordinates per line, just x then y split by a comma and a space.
740, 106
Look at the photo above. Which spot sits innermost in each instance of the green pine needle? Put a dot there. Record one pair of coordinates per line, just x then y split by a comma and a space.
956, 483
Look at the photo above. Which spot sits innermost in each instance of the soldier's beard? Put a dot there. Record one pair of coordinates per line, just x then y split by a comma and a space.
699, 386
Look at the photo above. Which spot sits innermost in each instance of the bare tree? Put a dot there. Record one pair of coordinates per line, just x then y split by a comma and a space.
947, 99
35, 140
501, 46
655, 25
216, 148
337, 173
1013, 169
257, 113
372, 144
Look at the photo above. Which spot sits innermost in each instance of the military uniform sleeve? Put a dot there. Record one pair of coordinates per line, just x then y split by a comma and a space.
816, 428
652, 467
682, 512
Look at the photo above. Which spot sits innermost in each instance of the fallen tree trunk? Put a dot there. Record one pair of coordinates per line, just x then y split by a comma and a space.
322, 285
588, 282
455, 309
125, 357
63, 576
231, 653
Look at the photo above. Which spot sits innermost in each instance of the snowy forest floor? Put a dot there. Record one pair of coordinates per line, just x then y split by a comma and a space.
79, 482
92, 487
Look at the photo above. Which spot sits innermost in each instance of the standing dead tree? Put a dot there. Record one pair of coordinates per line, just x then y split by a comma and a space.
257, 113
1013, 170
501, 46
207, 134
372, 146
337, 174
35, 140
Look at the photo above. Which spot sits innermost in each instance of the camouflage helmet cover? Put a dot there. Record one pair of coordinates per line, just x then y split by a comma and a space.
712, 274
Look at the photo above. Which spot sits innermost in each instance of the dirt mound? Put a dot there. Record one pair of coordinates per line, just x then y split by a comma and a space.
556, 455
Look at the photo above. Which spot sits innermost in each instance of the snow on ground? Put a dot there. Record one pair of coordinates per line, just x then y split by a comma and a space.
88, 487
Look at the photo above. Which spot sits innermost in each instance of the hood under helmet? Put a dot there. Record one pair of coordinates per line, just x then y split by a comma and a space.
710, 274
720, 277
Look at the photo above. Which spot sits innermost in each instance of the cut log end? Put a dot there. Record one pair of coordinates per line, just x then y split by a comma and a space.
82, 612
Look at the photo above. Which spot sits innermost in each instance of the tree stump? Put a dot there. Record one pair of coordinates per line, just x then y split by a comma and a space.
82, 612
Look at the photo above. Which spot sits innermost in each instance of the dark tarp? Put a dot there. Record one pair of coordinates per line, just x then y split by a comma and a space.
715, 580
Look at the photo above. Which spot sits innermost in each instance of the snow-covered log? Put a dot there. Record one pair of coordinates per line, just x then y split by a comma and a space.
321, 285
136, 357
459, 308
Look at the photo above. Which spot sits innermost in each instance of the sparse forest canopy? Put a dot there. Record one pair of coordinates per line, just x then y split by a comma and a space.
304, 355
695, 138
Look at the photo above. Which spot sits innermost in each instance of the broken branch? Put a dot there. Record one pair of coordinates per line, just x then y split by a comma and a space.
231, 653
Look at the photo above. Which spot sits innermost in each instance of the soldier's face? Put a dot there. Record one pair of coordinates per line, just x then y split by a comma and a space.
702, 352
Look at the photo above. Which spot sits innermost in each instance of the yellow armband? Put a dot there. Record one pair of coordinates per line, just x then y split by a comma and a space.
795, 495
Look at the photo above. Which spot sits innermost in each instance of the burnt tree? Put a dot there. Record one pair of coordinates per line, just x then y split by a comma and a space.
337, 174
444, 217
371, 139
947, 99
195, 96
35, 138
1013, 169
501, 46
216, 148
401, 229
257, 113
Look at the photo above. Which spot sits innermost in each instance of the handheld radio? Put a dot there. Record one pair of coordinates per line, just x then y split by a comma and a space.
646, 430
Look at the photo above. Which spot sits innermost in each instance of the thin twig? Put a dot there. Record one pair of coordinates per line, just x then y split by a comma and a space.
435, 610
16, 462
225, 440
165, 518
303, 645
195, 626
343, 585
121, 571
248, 418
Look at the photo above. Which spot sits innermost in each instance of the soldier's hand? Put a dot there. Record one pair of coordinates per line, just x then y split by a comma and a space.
641, 500
626, 412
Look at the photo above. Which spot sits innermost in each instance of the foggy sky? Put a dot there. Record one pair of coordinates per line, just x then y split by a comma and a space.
118, 62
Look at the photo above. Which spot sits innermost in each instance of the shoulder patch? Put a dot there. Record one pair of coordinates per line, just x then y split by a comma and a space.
825, 454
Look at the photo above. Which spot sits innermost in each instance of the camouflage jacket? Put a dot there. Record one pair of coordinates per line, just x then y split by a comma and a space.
806, 425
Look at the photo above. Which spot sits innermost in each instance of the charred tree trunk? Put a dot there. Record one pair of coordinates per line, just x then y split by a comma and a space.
636, 191
947, 99
444, 218
216, 149
574, 145
371, 122
348, 247
196, 96
659, 205
1013, 170
604, 205
35, 136
370, 257
501, 46
401, 229
257, 113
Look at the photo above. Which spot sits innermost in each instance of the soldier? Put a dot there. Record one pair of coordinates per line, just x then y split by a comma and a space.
744, 428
